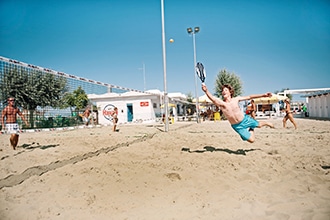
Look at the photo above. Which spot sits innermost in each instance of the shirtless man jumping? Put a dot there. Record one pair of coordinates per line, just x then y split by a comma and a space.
244, 125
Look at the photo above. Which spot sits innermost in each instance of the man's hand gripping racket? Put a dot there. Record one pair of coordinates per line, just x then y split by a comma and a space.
200, 71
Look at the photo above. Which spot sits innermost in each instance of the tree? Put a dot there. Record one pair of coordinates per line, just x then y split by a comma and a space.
32, 88
13, 84
225, 77
190, 97
76, 100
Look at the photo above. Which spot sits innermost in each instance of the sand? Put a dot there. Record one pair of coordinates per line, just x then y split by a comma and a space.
193, 171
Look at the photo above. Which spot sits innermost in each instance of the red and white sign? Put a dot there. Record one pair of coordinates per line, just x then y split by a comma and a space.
144, 104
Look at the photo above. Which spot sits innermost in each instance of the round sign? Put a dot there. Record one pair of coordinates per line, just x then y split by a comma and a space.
108, 112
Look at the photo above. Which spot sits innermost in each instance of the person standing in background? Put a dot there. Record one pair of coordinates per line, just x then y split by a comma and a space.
289, 114
86, 116
9, 121
115, 118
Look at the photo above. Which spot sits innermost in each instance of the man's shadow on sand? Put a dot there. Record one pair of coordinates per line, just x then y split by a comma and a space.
34, 145
211, 149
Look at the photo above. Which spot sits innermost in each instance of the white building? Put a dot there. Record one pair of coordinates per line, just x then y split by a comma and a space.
318, 101
135, 106
319, 105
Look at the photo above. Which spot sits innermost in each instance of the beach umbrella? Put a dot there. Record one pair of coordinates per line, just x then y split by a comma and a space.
169, 105
270, 100
203, 99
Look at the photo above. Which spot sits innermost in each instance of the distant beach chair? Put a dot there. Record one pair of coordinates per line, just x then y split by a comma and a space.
217, 116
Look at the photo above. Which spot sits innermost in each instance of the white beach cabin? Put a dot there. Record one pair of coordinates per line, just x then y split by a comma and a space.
318, 101
135, 107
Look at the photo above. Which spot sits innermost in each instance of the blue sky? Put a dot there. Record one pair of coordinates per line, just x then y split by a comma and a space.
270, 45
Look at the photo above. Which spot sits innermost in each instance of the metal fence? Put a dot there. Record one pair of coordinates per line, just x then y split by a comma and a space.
49, 117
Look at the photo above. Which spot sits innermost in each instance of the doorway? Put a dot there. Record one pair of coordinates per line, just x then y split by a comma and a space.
129, 112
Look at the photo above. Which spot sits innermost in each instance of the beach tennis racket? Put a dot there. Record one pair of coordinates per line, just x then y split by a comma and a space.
200, 71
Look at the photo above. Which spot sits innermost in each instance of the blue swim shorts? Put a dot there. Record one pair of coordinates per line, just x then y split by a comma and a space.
242, 127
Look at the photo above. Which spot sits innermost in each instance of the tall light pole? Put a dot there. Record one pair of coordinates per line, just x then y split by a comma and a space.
164, 68
144, 76
193, 32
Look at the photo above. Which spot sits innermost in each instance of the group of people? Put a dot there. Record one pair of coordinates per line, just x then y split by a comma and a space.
243, 124
208, 114
87, 116
251, 110
11, 111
